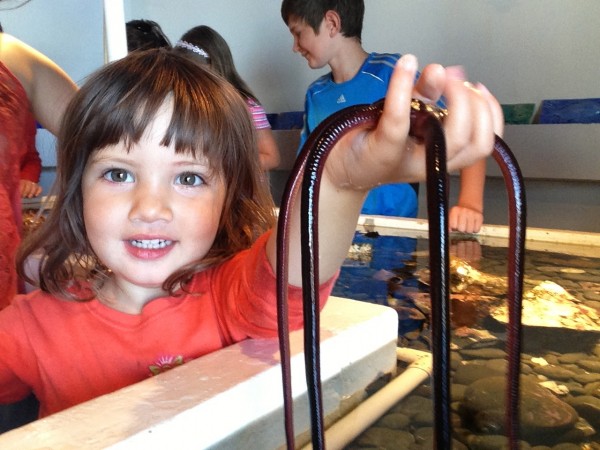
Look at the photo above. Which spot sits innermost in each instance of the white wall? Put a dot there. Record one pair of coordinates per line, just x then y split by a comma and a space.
67, 31
260, 42
523, 50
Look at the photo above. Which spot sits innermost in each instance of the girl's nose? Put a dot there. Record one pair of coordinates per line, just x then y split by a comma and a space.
150, 204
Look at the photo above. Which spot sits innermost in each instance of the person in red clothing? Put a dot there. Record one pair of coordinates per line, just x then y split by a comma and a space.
161, 248
31, 169
32, 87
30, 163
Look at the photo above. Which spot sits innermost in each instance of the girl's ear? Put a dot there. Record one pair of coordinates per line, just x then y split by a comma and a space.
333, 22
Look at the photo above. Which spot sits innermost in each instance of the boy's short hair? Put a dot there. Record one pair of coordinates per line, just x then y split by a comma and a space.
351, 13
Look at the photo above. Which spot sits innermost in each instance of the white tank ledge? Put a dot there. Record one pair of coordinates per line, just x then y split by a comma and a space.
579, 243
231, 398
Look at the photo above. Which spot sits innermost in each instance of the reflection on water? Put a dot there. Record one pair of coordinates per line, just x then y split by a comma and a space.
560, 405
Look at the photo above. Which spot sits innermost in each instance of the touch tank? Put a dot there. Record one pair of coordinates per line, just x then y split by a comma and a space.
560, 363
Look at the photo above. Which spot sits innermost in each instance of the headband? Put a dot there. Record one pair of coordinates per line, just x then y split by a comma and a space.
192, 48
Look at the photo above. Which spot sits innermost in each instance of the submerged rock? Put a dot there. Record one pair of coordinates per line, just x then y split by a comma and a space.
542, 414
384, 438
469, 372
588, 407
491, 442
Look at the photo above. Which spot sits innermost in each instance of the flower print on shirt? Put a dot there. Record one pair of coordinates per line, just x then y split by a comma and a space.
165, 363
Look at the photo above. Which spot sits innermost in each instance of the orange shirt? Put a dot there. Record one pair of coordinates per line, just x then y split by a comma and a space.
68, 352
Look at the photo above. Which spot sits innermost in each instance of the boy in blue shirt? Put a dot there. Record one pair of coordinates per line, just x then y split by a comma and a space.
329, 33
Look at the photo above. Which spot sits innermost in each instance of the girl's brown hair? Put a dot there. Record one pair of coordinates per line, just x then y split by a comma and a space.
116, 104
219, 58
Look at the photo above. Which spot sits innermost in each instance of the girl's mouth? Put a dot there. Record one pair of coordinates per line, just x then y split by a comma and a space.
150, 243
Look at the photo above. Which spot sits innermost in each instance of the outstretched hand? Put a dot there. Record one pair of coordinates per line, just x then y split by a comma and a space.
387, 154
366, 157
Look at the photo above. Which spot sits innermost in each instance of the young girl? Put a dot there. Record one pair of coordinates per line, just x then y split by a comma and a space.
159, 249
206, 46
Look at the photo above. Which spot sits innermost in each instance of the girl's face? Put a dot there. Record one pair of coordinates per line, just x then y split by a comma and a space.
149, 211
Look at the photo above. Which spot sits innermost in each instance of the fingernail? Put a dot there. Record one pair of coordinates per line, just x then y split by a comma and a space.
408, 62
456, 72
482, 88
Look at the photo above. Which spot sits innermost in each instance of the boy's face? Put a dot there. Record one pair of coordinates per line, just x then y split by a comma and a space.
149, 211
312, 46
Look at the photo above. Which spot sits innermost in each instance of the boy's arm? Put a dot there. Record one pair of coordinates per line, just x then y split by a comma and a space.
467, 215
366, 158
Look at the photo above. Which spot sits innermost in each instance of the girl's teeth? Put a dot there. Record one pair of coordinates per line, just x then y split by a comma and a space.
150, 243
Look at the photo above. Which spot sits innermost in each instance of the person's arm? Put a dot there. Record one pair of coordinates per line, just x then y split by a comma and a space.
467, 215
366, 158
48, 87
268, 152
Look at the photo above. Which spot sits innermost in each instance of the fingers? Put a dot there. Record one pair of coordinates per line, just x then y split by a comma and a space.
469, 127
474, 115
395, 120
29, 189
384, 157
431, 83
386, 154
495, 108
465, 220
468, 250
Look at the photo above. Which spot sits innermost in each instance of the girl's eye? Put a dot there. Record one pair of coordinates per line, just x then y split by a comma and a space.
189, 179
118, 176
